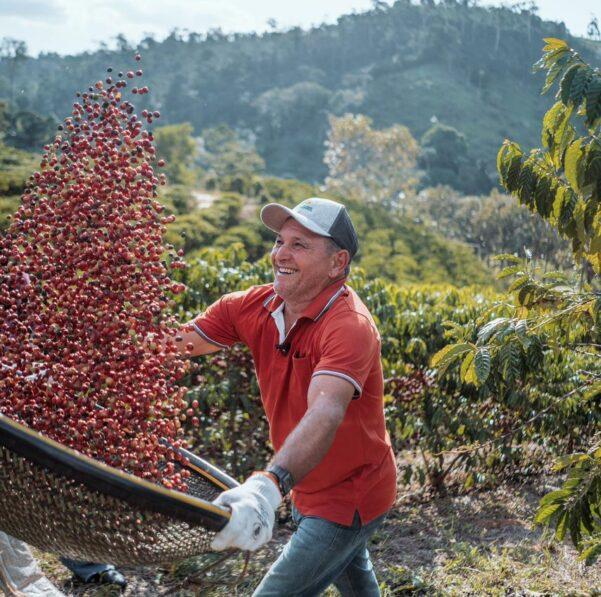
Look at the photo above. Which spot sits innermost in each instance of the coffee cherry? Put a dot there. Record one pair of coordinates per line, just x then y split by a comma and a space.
81, 289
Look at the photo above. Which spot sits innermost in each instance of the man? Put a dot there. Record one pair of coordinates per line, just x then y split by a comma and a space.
316, 351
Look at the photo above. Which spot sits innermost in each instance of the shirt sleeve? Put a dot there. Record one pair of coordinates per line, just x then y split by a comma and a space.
349, 346
218, 324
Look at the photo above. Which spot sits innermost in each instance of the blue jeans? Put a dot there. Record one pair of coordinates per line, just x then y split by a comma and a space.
320, 553
85, 570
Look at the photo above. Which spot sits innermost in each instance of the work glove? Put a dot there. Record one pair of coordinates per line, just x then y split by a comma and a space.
253, 505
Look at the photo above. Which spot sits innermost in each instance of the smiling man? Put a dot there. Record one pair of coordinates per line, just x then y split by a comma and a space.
317, 356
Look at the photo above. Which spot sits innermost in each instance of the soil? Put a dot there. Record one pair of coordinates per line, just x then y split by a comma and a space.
482, 543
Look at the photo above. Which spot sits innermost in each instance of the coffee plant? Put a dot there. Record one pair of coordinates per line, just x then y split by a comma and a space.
541, 356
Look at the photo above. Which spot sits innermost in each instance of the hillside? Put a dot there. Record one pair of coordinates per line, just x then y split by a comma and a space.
467, 66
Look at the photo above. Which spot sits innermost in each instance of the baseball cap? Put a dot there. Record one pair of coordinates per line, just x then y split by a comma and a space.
322, 216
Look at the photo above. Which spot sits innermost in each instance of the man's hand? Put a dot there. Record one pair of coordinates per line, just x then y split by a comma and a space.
253, 507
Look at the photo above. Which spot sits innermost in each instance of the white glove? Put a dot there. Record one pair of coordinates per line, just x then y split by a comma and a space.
253, 505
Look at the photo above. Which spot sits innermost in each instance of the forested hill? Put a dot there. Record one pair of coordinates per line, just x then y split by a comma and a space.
467, 66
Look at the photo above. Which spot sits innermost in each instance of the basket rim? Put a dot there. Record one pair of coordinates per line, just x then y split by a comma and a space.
109, 480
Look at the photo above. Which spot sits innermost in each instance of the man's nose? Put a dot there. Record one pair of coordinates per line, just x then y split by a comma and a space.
282, 251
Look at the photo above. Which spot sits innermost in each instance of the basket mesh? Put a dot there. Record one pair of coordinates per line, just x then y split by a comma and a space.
64, 516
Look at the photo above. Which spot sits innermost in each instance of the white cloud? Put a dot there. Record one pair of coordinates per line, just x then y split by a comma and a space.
32, 10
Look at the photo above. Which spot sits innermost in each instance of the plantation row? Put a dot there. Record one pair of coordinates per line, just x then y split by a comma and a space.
516, 432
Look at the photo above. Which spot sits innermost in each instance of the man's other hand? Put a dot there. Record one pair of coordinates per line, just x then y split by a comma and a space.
253, 507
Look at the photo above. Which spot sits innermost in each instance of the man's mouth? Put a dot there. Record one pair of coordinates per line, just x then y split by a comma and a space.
286, 271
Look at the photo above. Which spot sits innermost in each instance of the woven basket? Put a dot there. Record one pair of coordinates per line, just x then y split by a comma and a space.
60, 501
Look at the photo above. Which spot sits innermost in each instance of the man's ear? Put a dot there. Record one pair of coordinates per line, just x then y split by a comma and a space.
340, 260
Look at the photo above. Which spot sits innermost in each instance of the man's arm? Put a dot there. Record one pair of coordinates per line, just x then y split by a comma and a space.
327, 400
187, 340
254, 503
191, 344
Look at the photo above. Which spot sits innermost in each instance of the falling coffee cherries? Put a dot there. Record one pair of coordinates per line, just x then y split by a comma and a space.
87, 355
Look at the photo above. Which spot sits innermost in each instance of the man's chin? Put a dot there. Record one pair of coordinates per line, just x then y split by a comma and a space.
282, 289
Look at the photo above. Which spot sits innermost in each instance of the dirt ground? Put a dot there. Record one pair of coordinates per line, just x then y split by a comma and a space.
482, 543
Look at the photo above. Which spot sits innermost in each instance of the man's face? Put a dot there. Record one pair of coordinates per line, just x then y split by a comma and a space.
303, 264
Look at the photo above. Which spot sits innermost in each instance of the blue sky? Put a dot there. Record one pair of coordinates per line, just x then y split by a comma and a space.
72, 26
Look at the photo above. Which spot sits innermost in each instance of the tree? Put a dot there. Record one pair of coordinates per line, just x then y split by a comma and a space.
14, 52
552, 316
28, 130
177, 147
225, 153
592, 29
491, 224
444, 158
376, 166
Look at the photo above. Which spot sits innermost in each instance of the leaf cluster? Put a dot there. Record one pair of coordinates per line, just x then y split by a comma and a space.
562, 180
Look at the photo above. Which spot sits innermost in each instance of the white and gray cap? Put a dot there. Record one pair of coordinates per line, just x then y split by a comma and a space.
322, 216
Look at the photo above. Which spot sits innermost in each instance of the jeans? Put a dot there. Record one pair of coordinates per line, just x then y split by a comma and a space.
320, 553
85, 570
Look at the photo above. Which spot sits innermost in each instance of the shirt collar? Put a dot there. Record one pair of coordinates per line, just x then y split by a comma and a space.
320, 304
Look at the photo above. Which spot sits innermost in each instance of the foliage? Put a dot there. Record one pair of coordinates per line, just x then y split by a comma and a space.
491, 224
562, 181
552, 322
370, 165
435, 420
177, 147
15, 168
402, 63
445, 161
225, 153
200, 228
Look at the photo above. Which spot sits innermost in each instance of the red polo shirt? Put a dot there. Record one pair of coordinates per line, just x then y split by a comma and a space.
336, 336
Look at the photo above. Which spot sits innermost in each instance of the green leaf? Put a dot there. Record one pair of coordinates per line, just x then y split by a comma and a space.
519, 283
579, 85
551, 120
558, 496
467, 372
417, 346
554, 43
490, 328
568, 205
469, 481
526, 184
482, 364
591, 553
562, 527
579, 212
509, 271
593, 101
566, 82
593, 392
573, 156
444, 357
507, 257
545, 513
510, 355
544, 196
560, 60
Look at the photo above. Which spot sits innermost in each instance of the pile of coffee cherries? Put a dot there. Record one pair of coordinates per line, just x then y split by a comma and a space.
87, 350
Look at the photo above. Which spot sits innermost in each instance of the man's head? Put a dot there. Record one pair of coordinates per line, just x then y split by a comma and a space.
315, 244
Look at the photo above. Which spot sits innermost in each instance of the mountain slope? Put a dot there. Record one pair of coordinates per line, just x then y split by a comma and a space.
467, 66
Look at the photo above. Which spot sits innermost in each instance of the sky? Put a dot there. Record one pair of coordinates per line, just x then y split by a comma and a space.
74, 26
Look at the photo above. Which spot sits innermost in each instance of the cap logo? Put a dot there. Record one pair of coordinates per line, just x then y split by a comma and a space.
307, 207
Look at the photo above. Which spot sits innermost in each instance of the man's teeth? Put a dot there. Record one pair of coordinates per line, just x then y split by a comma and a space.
285, 270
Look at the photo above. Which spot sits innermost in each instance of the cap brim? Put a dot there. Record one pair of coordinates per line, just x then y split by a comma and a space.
273, 215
